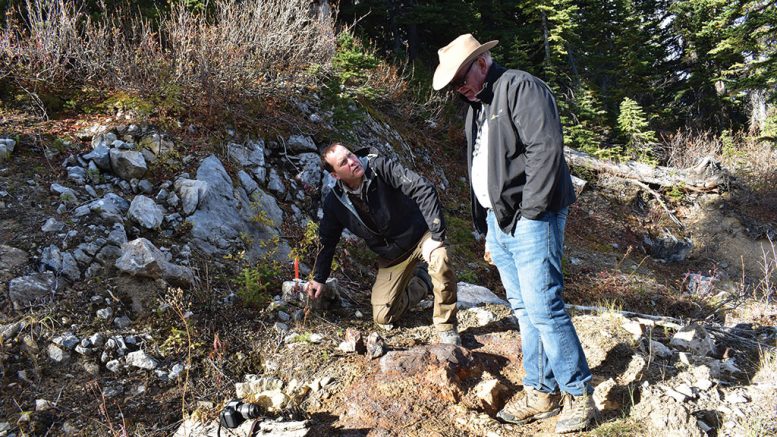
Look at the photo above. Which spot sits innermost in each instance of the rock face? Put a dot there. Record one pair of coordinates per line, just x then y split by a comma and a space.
225, 214
141, 258
28, 290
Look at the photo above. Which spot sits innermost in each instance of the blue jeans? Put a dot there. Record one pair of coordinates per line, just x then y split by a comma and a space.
529, 263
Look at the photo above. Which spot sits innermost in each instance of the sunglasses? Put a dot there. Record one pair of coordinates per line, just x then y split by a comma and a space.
460, 81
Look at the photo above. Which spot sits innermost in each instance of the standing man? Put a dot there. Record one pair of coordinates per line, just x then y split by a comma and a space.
399, 216
521, 191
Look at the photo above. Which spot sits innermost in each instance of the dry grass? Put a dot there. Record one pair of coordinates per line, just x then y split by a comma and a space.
190, 59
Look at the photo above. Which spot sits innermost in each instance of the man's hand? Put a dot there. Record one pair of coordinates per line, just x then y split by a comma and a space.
428, 247
314, 289
487, 257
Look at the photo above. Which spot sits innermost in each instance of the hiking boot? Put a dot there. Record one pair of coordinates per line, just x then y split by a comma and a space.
576, 414
533, 405
416, 291
450, 337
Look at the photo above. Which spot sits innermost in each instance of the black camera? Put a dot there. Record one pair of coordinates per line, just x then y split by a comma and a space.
236, 412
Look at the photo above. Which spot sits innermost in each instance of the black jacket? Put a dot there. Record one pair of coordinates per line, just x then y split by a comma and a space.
527, 173
402, 206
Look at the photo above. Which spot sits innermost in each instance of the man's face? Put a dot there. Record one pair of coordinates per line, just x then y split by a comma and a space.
346, 165
469, 79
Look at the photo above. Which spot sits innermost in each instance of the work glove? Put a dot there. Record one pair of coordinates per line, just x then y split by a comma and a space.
428, 247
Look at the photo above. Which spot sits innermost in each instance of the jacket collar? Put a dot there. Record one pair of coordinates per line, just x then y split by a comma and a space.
486, 95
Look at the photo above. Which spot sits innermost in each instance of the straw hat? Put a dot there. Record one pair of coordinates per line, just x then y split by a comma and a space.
459, 52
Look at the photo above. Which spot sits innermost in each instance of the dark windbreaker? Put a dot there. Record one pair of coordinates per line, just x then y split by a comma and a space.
402, 207
527, 173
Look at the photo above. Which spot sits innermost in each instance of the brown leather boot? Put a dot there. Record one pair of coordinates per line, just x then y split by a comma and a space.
576, 414
533, 405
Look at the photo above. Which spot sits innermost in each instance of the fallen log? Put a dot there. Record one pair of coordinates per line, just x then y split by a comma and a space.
706, 176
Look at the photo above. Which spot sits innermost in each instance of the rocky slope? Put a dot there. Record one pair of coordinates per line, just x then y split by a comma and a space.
140, 281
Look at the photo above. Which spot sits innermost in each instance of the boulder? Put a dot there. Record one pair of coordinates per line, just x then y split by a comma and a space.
100, 156
191, 192
128, 164
694, 339
28, 290
141, 258
144, 211
470, 295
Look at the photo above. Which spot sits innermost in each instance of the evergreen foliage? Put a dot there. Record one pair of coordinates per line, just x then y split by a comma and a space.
633, 128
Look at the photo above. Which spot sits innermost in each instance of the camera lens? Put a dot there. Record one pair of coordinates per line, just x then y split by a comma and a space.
248, 411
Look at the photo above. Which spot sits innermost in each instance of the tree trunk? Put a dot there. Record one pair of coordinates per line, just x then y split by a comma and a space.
705, 176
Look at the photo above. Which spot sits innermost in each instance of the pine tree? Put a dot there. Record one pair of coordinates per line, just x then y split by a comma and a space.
633, 127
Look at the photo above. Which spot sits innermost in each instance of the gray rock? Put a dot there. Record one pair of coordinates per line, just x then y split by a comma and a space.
301, 143
11, 259
97, 339
128, 164
57, 354
470, 295
111, 208
93, 173
157, 144
146, 186
52, 225
141, 360
122, 322
310, 175
102, 136
173, 200
191, 192
77, 175
100, 156
108, 255
658, 349
248, 183
118, 235
176, 371
269, 206
693, 338
113, 365
161, 196
28, 290
141, 258
7, 145
225, 215
66, 194
144, 211
119, 144
67, 341
61, 263
668, 247
91, 191
275, 184
105, 313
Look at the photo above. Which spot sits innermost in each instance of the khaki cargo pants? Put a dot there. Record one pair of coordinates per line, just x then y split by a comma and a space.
397, 287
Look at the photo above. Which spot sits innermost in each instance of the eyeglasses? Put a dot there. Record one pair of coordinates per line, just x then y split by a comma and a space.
459, 82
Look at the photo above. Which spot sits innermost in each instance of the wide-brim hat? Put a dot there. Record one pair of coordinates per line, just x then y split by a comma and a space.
460, 51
